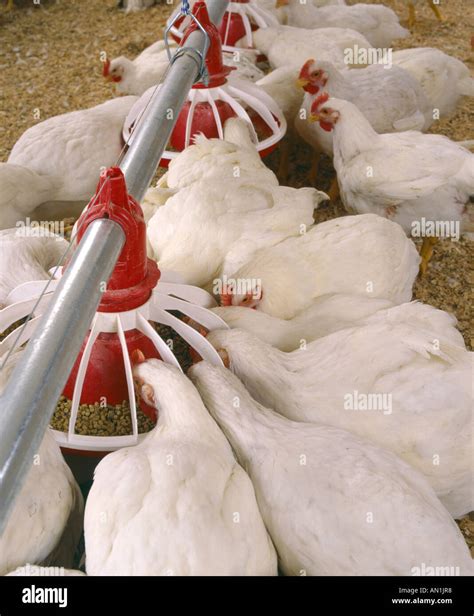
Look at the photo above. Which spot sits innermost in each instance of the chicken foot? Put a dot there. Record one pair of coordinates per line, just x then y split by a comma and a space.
426, 252
333, 192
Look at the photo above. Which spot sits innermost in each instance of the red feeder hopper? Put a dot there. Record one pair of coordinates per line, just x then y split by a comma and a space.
135, 295
210, 105
240, 20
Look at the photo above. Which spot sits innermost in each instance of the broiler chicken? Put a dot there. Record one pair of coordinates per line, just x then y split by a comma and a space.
178, 503
444, 79
211, 160
205, 231
22, 191
398, 381
416, 180
291, 47
328, 314
24, 257
280, 85
390, 98
378, 23
358, 255
216, 160
56, 163
334, 504
45, 524
148, 69
136, 76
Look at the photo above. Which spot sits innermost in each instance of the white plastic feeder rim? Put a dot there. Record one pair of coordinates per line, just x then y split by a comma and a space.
167, 295
250, 12
239, 94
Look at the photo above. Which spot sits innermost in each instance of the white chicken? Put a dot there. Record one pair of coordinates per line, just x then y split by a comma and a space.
178, 503
206, 230
328, 314
423, 182
358, 255
392, 100
333, 504
149, 67
211, 160
25, 257
136, 76
22, 191
396, 381
216, 160
378, 23
56, 163
444, 79
244, 64
291, 47
45, 524
280, 85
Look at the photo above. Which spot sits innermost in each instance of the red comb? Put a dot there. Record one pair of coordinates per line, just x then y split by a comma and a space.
105, 68
304, 72
318, 101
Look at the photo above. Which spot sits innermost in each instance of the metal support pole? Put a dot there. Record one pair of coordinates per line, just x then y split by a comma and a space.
141, 160
38, 379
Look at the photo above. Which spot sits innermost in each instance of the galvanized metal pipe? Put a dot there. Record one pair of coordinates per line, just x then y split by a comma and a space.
37, 380
142, 159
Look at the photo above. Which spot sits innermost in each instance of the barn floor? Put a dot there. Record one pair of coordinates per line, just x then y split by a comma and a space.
50, 64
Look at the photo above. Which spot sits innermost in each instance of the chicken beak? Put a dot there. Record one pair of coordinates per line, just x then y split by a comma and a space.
108, 77
280, 3
301, 82
313, 117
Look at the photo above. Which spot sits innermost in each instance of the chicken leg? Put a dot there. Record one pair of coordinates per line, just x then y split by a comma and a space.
10, 5
426, 253
436, 11
333, 192
411, 15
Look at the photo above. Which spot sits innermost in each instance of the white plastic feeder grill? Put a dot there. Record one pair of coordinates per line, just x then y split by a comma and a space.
240, 21
209, 105
139, 294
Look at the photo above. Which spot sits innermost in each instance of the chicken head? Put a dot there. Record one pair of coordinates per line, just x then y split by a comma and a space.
250, 298
113, 71
322, 113
311, 77
143, 376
